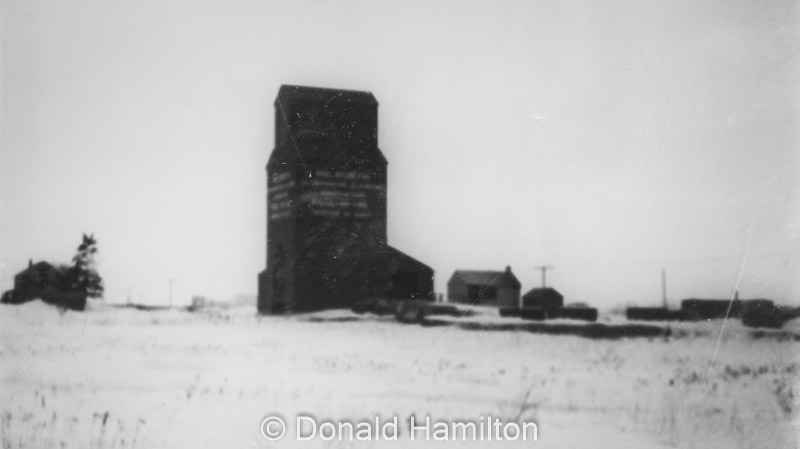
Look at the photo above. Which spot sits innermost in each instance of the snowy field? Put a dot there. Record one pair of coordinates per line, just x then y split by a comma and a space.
122, 378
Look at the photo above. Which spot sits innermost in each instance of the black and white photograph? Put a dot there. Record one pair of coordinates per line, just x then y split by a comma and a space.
385, 224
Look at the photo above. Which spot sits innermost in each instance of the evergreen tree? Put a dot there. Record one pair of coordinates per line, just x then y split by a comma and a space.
83, 275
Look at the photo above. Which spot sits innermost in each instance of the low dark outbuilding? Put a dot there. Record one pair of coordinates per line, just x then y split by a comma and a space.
544, 297
711, 309
654, 314
767, 314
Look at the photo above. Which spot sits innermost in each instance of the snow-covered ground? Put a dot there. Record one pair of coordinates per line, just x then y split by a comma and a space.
122, 378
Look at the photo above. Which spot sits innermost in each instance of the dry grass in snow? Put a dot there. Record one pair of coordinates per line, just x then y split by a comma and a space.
115, 378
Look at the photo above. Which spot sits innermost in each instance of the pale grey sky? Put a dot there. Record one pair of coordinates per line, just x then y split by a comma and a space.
609, 139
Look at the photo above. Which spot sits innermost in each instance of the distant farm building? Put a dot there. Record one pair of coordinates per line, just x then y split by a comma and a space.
765, 313
43, 281
544, 297
654, 314
36, 280
492, 288
710, 309
546, 303
750, 310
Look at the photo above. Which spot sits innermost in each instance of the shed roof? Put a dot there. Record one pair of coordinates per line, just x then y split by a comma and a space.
487, 277
37, 267
378, 258
543, 292
323, 94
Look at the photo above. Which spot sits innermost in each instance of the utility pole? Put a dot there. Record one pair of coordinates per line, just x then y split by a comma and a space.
664, 287
544, 269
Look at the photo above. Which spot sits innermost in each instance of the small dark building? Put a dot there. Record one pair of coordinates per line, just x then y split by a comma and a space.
492, 288
710, 309
764, 313
544, 297
43, 281
326, 208
654, 314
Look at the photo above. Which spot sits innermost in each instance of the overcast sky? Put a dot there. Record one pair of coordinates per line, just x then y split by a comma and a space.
608, 139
